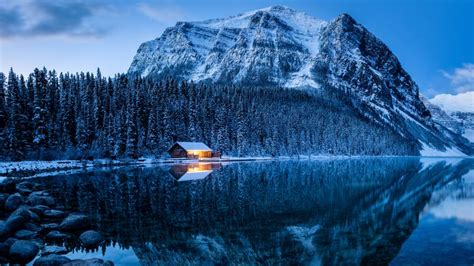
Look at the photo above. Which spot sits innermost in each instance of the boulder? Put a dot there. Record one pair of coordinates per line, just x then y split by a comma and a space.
54, 214
3, 198
8, 186
10, 241
39, 209
57, 236
5, 230
50, 226
23, 190
89, 262
22, 211
25, 234
75, 222
51, 260
47, 250
41, 198
33, 227
91, 238
25, 187
4, 250
13, 202
23, 251
18, 219
34, 217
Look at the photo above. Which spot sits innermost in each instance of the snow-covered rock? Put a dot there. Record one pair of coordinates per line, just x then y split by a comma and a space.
279, 46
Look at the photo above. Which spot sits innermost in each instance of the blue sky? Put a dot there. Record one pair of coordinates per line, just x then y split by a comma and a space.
434, 39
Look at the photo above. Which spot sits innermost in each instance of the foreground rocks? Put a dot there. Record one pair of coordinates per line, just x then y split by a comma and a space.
23, 251
91, 238
75, 222
29, 217
52, 260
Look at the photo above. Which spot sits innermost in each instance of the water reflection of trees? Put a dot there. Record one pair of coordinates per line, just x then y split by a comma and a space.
336, 212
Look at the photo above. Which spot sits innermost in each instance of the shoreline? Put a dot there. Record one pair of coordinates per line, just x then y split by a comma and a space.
29, 169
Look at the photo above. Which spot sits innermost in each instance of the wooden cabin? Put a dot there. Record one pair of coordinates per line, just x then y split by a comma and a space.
190, 150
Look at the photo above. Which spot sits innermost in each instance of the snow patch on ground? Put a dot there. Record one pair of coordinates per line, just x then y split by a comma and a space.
23, 166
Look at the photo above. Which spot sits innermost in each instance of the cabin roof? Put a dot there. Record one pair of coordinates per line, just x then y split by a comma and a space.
192, 146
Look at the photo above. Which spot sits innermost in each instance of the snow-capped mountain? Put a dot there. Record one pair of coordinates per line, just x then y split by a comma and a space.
279, 46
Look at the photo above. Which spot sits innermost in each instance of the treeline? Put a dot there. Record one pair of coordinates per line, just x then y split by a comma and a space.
50, 116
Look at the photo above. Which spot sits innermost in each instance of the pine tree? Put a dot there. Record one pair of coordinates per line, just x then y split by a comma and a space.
14, 109
132, 130
39, 111
3, 117
242, 129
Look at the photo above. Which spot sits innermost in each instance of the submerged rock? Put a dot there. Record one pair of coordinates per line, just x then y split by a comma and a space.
89, 262
8, 186
5, 230
91, 238
51, 260
23, 251
18, 219
4, 250
75, 222
50, 226
10, 241
39, 209
3, 198
41, 198
25, 234
56, 235
33, 227
47, 250
24, 188
54, 214
13, 202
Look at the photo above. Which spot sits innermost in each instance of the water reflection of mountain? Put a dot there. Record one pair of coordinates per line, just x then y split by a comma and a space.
330, 212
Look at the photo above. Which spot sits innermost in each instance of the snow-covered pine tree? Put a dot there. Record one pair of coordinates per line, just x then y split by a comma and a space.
3, 117
132, 129
40, 131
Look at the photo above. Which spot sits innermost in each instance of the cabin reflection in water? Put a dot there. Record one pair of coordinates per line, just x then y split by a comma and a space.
195, 171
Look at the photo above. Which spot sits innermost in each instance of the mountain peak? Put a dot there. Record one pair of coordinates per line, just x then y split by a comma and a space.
277, 8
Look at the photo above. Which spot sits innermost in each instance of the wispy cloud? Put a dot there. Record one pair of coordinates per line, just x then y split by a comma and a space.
462, 78
161, 13
27, 18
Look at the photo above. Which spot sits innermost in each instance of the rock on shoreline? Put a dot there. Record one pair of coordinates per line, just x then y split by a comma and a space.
29, 217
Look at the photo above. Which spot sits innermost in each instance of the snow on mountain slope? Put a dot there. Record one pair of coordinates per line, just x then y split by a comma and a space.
275, 45
279, 46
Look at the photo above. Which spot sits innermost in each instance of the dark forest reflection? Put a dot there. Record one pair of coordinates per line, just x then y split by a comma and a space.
337, 212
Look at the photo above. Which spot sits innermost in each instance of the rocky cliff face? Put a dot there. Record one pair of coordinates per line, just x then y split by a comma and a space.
279, 46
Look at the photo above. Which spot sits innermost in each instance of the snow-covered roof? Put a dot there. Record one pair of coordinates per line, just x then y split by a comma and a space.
193, 146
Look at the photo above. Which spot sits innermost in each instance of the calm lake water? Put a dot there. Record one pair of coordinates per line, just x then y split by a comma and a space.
337, 212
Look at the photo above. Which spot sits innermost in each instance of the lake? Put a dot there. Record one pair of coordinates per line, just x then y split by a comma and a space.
397, 211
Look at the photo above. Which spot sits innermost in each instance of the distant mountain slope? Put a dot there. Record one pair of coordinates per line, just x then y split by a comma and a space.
455, 112
279, 46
